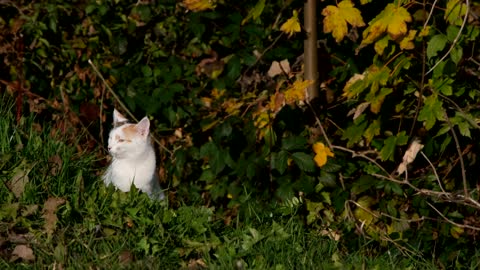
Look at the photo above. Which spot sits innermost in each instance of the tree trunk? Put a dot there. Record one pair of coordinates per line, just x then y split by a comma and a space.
310, 48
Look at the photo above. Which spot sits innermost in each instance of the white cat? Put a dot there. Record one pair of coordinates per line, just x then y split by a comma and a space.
133, 157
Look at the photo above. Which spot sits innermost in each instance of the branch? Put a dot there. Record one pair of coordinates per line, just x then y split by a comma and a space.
464, 226
124, 107
460, 155
455, 40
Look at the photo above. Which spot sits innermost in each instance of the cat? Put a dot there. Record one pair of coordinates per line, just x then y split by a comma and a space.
133, 157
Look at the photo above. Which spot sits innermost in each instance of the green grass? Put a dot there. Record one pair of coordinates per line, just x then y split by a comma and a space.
100, 228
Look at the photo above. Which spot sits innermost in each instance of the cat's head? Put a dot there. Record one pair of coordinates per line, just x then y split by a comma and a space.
128, 140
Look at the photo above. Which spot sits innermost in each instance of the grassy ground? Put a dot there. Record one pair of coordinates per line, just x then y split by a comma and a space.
56, 213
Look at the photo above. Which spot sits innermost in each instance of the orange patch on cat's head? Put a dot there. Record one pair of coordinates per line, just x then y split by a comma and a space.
130, 131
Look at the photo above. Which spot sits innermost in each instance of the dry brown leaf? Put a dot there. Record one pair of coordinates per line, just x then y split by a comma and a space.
278, 68
56, 163
20, 178
49, 215
125, 257
23, 252
409, 156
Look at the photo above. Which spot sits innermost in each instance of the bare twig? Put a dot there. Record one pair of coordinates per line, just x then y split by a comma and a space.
464, 226
124, 107
454, 42
320, 125
434, 170
460, 155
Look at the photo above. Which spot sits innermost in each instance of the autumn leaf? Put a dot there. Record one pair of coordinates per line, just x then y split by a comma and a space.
455, 12
407, 41
23, 252
321, 154
337, 17
49, 215
409, 156
393, 20
277, 68
198, 5
296, 92
292, 25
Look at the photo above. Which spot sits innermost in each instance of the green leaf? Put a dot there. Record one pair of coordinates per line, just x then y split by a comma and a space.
431, 111
255, 12
354, 133
436, 44
388, 148
304, 161
390, 144
279, 161
456, 54
363, 183
294, 143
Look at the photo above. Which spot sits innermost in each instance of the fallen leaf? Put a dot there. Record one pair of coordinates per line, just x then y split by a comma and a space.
20, 178
23, 252
336, 18
125, 257
56, 163
49, 209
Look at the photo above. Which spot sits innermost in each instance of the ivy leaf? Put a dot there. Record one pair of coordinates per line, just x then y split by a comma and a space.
354, 133
381, 44
455, 12
431, 111
255, 12
376, 100
292, 25
437, 43
336, 18
304, 161
407, 42
393, 20
390, 144
296, 92
372, 131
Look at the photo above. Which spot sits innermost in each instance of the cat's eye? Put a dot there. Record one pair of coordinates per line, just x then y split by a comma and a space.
121, 140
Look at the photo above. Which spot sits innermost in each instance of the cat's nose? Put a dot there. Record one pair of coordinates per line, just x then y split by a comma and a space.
109, 148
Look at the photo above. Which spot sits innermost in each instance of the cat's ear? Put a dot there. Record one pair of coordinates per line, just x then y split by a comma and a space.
143, 127
118, 118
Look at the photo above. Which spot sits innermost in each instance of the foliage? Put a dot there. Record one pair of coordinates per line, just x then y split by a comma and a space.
229, 132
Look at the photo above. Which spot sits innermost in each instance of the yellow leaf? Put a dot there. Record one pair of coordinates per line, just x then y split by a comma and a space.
292, 25
407, 42
198, 5
297, 91
336, 18
322, 152
425, 31
393, 20
381, 44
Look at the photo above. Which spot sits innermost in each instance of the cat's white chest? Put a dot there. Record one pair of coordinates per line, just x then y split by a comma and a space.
122, 173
